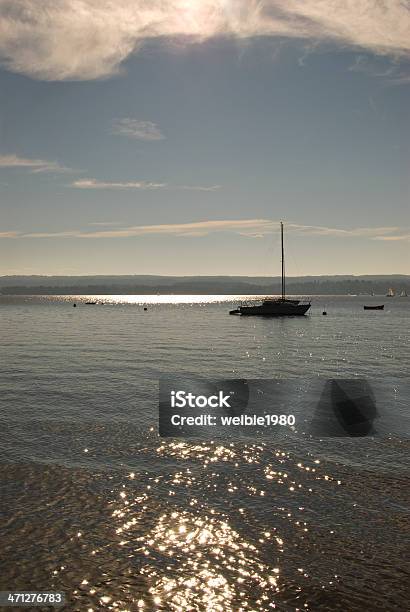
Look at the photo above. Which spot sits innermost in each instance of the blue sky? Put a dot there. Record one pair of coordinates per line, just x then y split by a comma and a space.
175, 147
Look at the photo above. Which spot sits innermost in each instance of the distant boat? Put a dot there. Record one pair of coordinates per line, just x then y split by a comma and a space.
380, 307
91, 303
275, 307
391, 292
403, 293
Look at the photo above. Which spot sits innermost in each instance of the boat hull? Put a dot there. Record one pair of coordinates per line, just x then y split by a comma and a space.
381, 307
273, 310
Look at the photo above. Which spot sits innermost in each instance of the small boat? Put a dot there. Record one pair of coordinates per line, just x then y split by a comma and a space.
380, 307
91, 303
391, 292
403, 293
275, 307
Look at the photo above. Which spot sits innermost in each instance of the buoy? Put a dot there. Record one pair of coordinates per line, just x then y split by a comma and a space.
145, 308
324, 312
74, 305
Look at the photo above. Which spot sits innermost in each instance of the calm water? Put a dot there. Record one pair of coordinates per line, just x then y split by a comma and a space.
95, 504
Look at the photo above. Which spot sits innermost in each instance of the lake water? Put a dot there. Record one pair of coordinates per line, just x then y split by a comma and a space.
95, 504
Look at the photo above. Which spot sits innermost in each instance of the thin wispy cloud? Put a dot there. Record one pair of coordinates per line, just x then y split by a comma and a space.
104, 223
373, 66
94, 184
358, 232
139, 130
34, 165
398, 237
86, 39
390, 69
130, 185
10, 234
196, 187
251, 228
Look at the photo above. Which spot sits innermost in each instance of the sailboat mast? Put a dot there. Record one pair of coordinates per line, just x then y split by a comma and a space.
283, 261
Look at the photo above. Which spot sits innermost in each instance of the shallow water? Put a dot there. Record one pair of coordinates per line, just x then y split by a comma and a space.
97, 505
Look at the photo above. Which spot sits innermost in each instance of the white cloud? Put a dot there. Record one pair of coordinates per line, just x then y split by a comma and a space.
34, 165
251, 228
89, 39
140, 130
124, 185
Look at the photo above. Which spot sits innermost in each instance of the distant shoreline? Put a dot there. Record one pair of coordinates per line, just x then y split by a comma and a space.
202, 285
95, 293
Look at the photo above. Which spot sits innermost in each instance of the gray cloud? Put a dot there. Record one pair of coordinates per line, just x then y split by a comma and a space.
140, 130
90, 39
34, 165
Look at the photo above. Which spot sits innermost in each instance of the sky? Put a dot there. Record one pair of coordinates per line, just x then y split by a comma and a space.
172, 137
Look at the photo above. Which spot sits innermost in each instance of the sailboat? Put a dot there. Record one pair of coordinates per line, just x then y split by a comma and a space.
391, 292
275, 307
403, 293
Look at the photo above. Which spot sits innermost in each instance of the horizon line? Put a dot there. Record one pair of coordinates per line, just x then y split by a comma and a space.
90, 275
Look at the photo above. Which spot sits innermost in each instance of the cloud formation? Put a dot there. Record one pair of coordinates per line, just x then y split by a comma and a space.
140, 130
251, 228
398, 237
34, 165
94, 184
90, 39
91, 183
10, 234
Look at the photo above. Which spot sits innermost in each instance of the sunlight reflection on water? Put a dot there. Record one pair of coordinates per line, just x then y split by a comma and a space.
154, 299
97, 505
